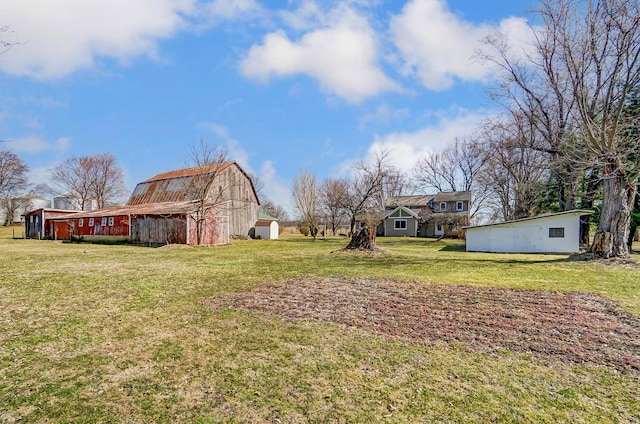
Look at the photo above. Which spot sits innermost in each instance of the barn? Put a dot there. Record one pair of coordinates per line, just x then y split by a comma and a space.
548, 233
39, 224
196, 206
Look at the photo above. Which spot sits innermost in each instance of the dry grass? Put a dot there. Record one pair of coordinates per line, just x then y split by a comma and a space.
570, 328
128, 334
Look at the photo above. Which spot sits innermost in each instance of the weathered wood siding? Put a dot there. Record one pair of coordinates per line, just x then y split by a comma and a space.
157, 229
215, 231
243, 203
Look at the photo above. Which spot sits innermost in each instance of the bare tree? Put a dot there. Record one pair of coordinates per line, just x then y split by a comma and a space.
13, 182
365, 191
332, 198
456, 168
306, 197
88, 178
107, 180
276, 211
205, 161
535, 86
588, 59
513, 171
600, 51
4, 44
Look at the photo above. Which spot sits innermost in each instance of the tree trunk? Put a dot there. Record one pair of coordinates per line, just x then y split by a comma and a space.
362, 239
593, 182
610, 240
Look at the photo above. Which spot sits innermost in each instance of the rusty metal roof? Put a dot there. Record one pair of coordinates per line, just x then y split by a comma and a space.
176, 186
190, 172
165, 208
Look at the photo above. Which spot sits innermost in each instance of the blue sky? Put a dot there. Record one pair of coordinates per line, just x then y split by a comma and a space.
282, 85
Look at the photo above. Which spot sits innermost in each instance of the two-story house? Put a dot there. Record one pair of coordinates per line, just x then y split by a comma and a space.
425, 215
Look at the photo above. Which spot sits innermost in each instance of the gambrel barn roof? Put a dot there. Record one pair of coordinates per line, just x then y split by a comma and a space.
178, 186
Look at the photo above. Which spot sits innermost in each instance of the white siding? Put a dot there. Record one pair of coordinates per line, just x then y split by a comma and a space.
268, 232
529, 236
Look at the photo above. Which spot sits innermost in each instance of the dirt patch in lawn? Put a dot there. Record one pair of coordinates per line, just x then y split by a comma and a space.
570, 328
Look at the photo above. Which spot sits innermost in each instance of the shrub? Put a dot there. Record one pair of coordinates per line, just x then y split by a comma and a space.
303, 230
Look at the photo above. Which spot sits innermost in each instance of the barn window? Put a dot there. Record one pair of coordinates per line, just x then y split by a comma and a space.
90, 222
400, 224
443, 206
110, 221
104, 222
556, 232
459, 206
80, 222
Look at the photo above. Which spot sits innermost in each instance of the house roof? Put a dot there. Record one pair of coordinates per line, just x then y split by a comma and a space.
266, 217
264, 222
421, 200
579, 212
407, 210
409, 201
453, 196
49, 210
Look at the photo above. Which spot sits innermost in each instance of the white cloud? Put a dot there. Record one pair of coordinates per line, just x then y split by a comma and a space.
57, 38
239, 154
36, 145
276, 189
438, 46
217, 129
341, 55
407, 148
307, 16
231, 10
383, 114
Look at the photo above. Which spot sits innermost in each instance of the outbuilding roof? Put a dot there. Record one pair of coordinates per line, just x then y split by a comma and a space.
165, 208
580, 212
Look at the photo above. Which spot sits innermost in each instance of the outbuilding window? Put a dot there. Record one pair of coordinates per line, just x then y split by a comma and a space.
110, 221
400, 224
80, 222
443, 206
459, 205
90, 222
103, 222
556, 232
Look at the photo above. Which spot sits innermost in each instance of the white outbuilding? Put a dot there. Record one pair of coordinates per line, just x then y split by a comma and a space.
548, 233
267, 228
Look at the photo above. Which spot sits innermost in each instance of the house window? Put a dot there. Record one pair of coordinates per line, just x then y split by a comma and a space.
459, 206
110, 221
400, 224
90, 222
104, 222
80, 222
443, 206
557, 232
439, 227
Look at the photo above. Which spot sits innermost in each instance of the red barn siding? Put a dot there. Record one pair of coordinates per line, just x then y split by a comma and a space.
120, 226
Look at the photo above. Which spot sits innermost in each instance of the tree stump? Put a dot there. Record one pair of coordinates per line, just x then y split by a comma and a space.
363, 239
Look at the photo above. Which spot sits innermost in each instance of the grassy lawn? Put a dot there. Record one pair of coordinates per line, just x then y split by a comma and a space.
93, 333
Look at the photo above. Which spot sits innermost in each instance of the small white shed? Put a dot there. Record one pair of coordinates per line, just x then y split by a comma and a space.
267, 229
548, 233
